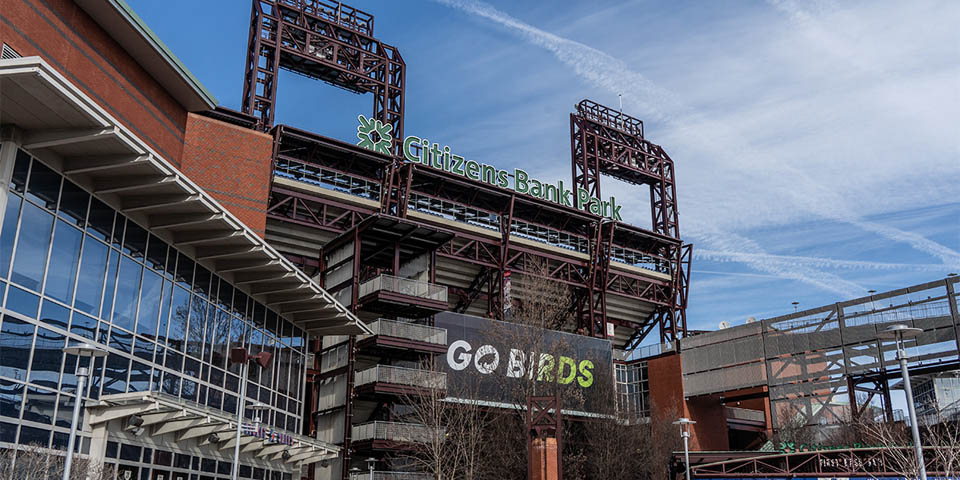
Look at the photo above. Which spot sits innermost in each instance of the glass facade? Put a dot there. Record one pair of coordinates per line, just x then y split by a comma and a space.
72, 269
633, 389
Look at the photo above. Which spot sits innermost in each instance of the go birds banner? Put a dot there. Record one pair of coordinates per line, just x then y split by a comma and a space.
375, 135
503, 362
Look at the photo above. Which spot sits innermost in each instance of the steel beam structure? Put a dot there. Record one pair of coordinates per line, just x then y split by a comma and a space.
327, 41
607, 142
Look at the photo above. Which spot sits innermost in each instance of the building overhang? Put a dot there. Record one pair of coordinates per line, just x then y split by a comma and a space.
58, 123
187, 421
132, 33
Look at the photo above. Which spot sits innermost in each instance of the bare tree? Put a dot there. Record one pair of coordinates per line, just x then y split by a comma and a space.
939, 435
453, 440
34, 461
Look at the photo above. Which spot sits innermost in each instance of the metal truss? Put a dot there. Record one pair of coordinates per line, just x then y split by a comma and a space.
326, 41
608, 142
604, 141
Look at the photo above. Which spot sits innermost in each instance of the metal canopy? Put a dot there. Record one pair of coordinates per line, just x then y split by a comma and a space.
165, 414
71, 133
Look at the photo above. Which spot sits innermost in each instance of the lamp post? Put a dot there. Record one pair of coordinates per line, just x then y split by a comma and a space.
898, 332
244, 358
371, 463
80, 350
685, 434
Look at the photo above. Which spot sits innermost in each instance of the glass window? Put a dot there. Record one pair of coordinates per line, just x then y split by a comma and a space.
47, 356
10, 218
164, 312
173, 361
64, 259
31, 256
43, 186
40, 405
171, 384
55, 315
20, 170
100, 222
84, 326
11, 398
139, 377
198, 315
230, 403
90, 284
201, 281
191, 367
16, 337
135, 241
215, 398
184, 275
121, 340
115, 374
143, 349
22, 301
188, 390
128, 283
68, 379
179, 312
73, 204
221, 338
108, 289
34, 436
150, 294
156, 253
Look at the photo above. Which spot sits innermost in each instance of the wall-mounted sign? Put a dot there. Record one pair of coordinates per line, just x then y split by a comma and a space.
375, 135
502, 362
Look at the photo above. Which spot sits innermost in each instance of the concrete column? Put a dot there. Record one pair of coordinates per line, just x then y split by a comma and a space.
9, 143
98, 444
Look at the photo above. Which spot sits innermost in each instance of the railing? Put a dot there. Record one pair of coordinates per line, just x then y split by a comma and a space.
370, 189
737, 413
408, 330
402, 376
404, 286
390, 476
396, 432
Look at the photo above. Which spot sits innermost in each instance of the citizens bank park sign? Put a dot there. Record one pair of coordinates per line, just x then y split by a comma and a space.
500, 362
375, 135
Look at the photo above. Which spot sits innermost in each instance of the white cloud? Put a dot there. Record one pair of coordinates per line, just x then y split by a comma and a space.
829, 129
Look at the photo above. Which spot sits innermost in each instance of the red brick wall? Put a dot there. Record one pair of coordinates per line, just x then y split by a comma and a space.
69, 40
667, 403
232, 164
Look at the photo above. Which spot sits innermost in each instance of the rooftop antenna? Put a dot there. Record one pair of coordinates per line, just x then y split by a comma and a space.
620, 98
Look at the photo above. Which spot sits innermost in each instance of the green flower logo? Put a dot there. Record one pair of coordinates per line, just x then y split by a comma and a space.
374, 135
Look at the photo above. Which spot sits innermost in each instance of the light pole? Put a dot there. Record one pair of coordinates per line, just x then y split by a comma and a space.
80, 350
898, 332
244, 358
685, 434
371, 463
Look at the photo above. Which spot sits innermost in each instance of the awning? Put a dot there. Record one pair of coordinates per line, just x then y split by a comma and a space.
165, 414
74, 135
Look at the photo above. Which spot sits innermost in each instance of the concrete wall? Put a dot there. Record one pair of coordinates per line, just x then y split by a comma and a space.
667, 403
72, 42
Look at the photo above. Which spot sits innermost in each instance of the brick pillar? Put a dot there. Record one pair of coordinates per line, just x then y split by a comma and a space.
545, 460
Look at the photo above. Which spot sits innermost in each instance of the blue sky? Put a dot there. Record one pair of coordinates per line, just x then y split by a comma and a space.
817, 144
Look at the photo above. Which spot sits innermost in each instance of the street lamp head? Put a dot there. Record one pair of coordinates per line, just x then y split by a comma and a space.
371, 461
85, 350
258, 406
899, 332
684, 421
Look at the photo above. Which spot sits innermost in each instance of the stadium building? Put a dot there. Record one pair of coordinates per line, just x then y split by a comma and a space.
144, 218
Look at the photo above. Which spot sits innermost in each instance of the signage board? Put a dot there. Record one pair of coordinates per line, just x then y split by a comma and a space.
503, 362
375, 135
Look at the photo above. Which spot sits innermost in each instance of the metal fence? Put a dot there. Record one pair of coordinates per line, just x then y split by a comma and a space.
404, 286
395, 432
402, 376
378, 475
407, 330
